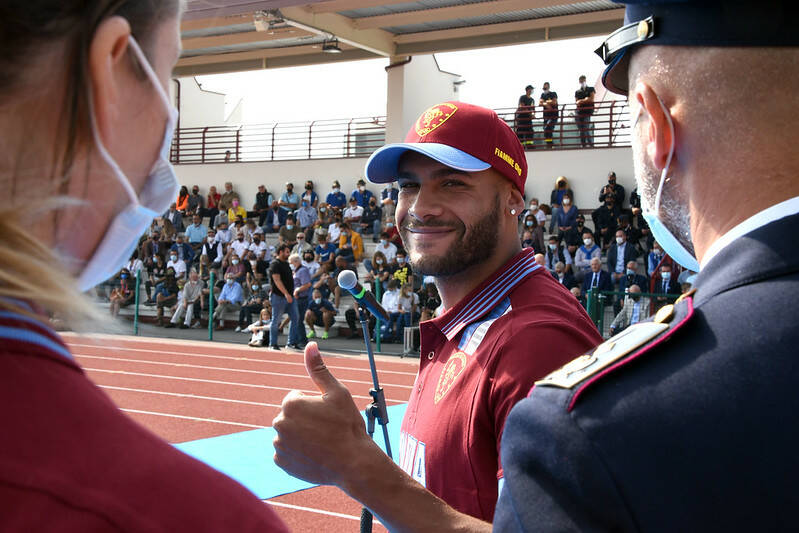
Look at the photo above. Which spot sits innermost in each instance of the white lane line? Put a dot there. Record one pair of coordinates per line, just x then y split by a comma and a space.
317, 511
218, 382
240, 370
194, 418
248, 359
192, 396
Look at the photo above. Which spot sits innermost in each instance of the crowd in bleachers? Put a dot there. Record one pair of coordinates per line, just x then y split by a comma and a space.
214, 237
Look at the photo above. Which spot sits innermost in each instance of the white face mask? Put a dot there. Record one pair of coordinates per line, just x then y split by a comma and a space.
566, 201
588, 242
619, 240
159, 191
317, 301
235, 261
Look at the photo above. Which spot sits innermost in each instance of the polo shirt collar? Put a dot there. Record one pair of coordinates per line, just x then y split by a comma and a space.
478, 303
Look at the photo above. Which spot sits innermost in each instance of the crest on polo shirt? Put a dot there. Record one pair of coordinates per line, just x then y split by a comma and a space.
449, 375
434, 117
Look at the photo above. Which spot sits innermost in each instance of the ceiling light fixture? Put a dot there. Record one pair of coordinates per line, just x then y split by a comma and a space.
331, 47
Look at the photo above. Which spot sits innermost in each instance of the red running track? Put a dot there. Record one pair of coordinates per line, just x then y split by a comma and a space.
186, 390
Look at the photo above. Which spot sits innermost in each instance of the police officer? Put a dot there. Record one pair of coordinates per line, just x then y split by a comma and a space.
687, 422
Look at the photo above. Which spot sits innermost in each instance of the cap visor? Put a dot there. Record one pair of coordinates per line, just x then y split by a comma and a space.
382, 164
614, 78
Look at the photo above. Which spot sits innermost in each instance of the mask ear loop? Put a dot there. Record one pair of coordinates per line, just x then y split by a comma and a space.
668, 159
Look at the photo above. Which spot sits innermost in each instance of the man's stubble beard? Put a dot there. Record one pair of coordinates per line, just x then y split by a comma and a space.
461, 255
675, 215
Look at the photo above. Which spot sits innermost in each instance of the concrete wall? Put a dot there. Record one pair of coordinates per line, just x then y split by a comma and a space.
200, 108
586, 171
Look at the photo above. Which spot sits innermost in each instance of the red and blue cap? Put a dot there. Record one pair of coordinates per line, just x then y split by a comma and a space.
695, 23
461, 136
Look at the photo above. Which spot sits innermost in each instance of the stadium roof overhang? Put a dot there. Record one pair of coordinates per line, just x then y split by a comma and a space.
239, 35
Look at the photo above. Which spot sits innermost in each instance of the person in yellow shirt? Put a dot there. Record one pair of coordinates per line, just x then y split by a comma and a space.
236, 210
350, 244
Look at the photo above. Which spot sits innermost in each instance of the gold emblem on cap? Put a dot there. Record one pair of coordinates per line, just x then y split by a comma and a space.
664, 314
643, 29
434, 117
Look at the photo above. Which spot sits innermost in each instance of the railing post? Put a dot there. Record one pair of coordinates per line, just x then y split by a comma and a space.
136, 304
347, 154
202, 145
561, 114
176, 147
272, 150
378, 323
211, 283
610, 124
310, 135
238, 142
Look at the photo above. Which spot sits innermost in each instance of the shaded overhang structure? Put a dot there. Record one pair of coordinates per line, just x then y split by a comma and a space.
237, 35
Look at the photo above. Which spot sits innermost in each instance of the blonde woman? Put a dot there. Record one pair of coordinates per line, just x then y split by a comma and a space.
86, 128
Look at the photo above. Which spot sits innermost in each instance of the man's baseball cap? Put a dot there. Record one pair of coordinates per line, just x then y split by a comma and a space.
461, 136
695, 23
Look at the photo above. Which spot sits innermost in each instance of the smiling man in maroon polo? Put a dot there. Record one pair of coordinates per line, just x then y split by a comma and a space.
461, 172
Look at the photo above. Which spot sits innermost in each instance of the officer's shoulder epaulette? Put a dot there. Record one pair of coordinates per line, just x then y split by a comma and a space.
619, 350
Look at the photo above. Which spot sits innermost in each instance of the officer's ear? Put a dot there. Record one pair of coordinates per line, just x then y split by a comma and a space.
658, 135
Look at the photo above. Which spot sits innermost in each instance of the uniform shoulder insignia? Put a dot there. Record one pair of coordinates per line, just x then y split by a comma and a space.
623, 344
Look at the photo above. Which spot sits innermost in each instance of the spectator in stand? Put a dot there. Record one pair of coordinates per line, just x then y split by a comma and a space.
236, 211
578, 294
253, 303
584, 254
635, 310
177, 264
336, 199
151, 248
563, 277
638, 219
393, 232
371, 219
632, 277
310, 195
341, 264
556, 200
408, 305
320, 313
196, 232
136, 266
430, 302
282, 297
166, 293
597, 279
549, 103
236, 268
168, 232
350, 244
309, 261
302, 293
605, 218
667, 284
567, 215
155, 276
212, 202
538, 213
175, 218
196, 202
525, 113
289, 202
540, 259
388, 199
402, 269
224, 234
378, 271
612, 189
531, 225
239, 246
226, 200
288, 234
557, 252
386, 247
238, 226
324, 216
123, 294
325, 251
390, 303
654, 259
334, 229
221, 218
306, 217
190, 303
204, 268
361, 194
633, 234
182, 203
263, 201
302, 246
584, 98
212, 249
230, 299
259, 246
574, 237
184, 250
260, 329
352, 215
620, 253
272, 221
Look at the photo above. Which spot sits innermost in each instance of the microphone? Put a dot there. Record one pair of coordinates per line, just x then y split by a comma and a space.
348, 281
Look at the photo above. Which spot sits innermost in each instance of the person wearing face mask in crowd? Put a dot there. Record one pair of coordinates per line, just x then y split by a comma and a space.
388, 199
196, 232
402, 271
223, 233
632, 277
189, 305
271, 223
260, 329
386, 247
378, 270
567, 215
288, 232
656, 258
195, 203
535, 210
587, 251
230, 298
236, 268
361, 194
176, 264
305, 216
394, 236
536, 239
288, 203
371, 219
302, 292
557, 252
612, 189
309, 195
350, 244
605, 218
635, 310
620, 253
336, 199
124, 294
166, 293
324, 216
584, 98
253, 303
309, 261
663, 427
573, 238
261, 207
325, 251
562, 276
282, 299
259, 246
352, 215
239, 246
302, 246
212, 202
320, 313
226, 200
556, 200
549, 103
184, 250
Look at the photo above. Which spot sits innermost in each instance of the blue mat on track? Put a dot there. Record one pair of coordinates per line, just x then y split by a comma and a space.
247, 456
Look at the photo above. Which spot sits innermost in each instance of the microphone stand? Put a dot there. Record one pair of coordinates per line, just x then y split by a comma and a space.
374, 411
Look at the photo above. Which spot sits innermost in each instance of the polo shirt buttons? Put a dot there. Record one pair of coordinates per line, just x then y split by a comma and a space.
431, 355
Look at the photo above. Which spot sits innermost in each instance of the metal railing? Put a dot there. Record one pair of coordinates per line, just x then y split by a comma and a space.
608, 126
